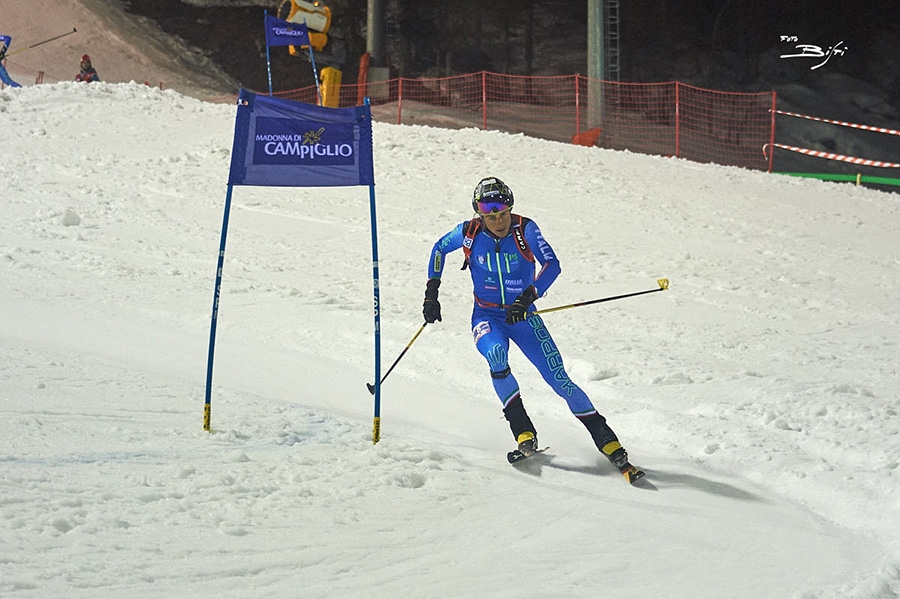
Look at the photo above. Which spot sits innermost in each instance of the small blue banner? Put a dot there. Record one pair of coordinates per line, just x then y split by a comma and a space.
285, 33
282, 143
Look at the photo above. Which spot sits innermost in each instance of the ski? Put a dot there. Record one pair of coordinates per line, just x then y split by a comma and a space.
631, 473
515, 456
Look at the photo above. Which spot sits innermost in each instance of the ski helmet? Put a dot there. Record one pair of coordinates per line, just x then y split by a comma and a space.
490, 194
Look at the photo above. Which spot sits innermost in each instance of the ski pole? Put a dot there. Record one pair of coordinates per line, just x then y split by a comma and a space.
663, 285
42, 43
408, 345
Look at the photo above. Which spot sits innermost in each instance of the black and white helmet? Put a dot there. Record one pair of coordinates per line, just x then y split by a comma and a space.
491, 195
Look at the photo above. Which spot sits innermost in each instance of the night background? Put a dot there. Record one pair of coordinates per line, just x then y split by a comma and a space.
731, 45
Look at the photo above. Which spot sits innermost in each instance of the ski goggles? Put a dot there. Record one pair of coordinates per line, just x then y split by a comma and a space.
492, 208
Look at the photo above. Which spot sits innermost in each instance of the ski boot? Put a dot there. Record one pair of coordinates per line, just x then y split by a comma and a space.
528, 444
616, 454
527, 448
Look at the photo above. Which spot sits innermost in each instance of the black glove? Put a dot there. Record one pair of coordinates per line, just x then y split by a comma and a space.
431, 308
516, 312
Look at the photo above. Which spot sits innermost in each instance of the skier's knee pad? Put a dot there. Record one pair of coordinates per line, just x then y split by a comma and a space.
501, 374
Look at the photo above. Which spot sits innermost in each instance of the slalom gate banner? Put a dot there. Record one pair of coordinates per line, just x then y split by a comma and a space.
285, 33
282, 143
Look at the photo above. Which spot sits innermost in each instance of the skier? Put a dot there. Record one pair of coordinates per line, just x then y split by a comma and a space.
5, 42
88, 73
500, 249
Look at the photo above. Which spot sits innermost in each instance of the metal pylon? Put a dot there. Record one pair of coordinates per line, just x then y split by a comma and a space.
611, 38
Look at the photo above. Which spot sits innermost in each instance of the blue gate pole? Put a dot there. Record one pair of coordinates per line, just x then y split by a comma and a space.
376, 426
215, 312
268, 61
312, 61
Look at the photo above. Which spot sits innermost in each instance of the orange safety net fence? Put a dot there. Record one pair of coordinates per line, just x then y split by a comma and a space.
667, 119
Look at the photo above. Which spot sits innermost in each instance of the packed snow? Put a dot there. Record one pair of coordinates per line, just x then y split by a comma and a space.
123, 47
759, 392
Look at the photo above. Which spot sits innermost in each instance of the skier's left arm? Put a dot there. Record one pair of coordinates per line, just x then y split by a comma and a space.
550, 269
545, 256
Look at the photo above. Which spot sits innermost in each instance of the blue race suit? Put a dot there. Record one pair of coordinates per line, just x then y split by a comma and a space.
500, 272
5, 41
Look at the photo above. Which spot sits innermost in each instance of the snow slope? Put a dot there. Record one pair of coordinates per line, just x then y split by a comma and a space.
122, 46
759, 392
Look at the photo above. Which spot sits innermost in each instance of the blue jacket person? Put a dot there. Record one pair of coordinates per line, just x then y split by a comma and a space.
503, 251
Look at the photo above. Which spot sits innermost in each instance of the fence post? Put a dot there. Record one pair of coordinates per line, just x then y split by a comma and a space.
772, 135
484, 100
577, 108
400, 101
677, 120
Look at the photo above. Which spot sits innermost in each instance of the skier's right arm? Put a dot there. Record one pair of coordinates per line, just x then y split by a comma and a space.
452, 241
